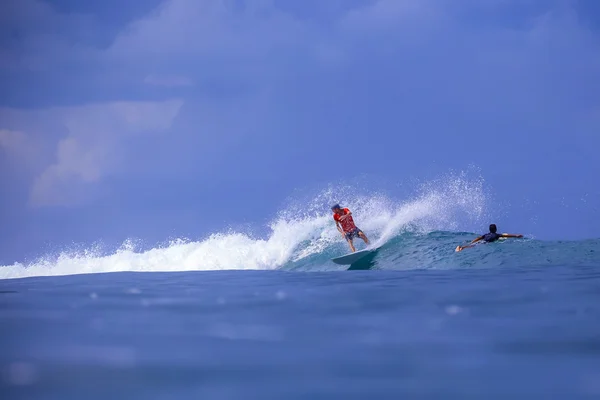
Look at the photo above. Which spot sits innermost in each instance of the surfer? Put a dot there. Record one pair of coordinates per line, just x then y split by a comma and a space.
489, 237
345, 224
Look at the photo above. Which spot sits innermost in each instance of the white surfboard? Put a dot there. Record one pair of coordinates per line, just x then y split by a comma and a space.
351, 258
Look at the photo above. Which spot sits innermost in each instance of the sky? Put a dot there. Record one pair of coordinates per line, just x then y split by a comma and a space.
156, 119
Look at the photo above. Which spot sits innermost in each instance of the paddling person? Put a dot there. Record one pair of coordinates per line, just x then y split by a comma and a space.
345, 224
489, 237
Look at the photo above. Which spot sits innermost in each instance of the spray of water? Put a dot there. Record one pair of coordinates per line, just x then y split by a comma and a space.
301, 229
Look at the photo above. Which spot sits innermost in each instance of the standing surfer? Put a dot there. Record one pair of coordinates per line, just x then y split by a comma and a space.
492, 236
345, 224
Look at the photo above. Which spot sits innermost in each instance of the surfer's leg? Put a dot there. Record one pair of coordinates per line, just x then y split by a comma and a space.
349, 237
351, 244
364, 237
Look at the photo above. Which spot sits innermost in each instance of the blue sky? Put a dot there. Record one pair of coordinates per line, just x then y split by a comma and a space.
170, 118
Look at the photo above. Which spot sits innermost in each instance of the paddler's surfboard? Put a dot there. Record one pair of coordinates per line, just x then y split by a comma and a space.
351, 258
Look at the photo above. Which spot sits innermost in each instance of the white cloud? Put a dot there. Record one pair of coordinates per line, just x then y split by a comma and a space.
117, 118
202, 39
188, 42
92, 147
208, 37
76, 163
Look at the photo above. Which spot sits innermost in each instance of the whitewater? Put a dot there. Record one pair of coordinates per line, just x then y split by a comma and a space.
301, 234
420, 232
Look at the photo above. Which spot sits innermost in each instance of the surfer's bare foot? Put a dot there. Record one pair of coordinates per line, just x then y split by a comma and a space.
458, 248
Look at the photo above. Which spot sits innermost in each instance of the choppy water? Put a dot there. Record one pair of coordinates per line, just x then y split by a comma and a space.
510, 332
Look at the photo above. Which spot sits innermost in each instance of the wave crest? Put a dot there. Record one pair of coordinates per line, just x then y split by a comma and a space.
303, 231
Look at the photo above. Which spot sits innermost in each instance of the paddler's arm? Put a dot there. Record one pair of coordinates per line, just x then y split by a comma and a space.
459, 248
510, 235
476, 240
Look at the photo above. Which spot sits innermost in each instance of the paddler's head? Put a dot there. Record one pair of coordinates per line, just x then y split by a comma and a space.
493, 228
336, 209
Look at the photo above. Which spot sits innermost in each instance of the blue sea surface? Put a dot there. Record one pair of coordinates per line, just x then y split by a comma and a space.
517, 330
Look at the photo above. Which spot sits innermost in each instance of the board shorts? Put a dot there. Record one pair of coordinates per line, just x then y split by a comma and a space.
352, 234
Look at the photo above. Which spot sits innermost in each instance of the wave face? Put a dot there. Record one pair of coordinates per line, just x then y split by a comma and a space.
418, 233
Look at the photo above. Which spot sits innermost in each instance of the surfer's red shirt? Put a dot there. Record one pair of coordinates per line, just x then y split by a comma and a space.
347, 223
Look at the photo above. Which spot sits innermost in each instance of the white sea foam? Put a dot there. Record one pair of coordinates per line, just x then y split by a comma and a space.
298, 231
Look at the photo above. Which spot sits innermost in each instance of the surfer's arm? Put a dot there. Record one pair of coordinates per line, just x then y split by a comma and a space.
348, 213
510, 235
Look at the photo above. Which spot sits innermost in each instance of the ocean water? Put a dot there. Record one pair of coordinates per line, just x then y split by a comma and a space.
243, 316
